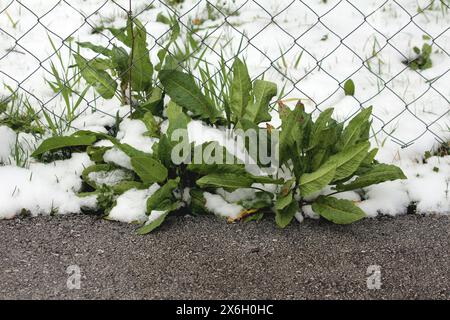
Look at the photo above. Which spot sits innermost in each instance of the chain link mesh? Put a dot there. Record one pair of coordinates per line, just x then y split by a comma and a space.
279, 40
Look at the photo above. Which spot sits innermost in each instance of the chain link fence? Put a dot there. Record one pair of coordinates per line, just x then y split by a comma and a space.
309, 48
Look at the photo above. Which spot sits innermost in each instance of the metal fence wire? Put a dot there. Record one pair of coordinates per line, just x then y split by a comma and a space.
309, 48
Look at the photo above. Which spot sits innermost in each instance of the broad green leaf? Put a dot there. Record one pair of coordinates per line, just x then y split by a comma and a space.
319, 126
124, 186
124, 35
293, 130
163, 198
55, 143
364, 133
163, 150
313, 182
348, 160
337, 210
352, 132
284, 216
183, 90
263, 92
285, 196
377, 174
147, 228
99, 79
319, 158
241, 86
139, 61
205, 169
225, 180
149, 169
349, 87
177, 118
233, 180
266, 180
155, 104
101, 64
129, 150
283, 201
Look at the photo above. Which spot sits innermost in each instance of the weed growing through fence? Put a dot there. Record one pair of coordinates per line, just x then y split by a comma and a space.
314, 155
316, 158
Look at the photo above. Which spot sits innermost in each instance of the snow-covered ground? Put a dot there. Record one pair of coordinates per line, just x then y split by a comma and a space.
410, 108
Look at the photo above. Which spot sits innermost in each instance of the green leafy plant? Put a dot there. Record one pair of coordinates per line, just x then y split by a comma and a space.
423, 60
319, 157
17, 113
132, 68
323, 154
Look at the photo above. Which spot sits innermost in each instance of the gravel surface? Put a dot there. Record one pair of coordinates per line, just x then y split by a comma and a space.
206, 258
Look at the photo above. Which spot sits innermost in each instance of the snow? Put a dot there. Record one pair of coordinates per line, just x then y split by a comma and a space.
237, 195
43, 188
408, 109
108, 177
299, 217
118, 157
8, 138
217, 205
429, 185
132, 133
132, 205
